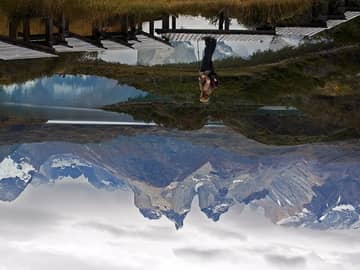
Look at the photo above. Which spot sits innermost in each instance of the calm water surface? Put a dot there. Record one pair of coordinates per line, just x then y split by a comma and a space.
66, 97
149, 197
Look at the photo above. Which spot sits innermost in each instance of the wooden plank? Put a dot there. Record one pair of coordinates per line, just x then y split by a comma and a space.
115, 45
147, 42
116, 39
28, 45
350, 15
142, 33
216, 32
298, 31
13, 52
77, 45
88, 40
312, 31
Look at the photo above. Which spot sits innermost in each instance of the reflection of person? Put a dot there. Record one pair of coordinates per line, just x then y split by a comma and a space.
207, 79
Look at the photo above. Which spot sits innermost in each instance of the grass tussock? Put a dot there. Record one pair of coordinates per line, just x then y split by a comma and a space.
247, 11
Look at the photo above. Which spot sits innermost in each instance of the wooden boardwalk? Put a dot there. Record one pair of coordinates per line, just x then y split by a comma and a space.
77, 45
113, 46
312, 31
146, 42
143, 40
349, 15
219, 37
12, 52
299, 32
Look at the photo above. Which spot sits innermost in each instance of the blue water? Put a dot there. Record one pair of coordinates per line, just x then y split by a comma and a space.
66, 97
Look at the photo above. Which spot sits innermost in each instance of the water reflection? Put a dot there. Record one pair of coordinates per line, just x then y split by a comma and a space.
183, 52
314, 186
69, 91
66, 97
190, 51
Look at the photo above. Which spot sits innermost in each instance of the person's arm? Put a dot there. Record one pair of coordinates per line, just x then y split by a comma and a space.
204, 85
200, 83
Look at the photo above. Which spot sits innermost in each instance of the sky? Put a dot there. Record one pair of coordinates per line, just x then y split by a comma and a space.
71, 225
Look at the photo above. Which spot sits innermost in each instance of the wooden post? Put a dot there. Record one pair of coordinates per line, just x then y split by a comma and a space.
227, 19
13, 24
221, 20
336, 8
132, 21
49, 30
151, 28
96, 33
67, 26
26, 29
124, 23
140, 26
320, 12
62, 28
173, 22
165, 22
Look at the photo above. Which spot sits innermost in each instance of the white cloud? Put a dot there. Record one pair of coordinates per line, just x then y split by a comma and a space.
79, 227
9, 89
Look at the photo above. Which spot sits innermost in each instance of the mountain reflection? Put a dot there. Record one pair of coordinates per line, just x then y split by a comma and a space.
70, 91
313, 186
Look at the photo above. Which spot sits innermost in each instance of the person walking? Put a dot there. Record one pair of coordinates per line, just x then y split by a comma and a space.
208, 81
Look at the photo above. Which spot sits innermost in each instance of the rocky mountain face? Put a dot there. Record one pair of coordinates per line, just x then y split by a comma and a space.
181, 52
315, 186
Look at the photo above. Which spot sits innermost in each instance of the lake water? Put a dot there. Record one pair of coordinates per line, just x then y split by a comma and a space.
109, 161
66, 97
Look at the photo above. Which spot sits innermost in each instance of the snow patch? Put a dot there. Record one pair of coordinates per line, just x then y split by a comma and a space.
172, 186
242, 178
198, 185
66, 162
11, 169
322, 218
338, 200
344, 207
221, 208
106, 182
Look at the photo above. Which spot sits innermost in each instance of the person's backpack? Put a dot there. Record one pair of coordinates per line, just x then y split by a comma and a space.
214, 81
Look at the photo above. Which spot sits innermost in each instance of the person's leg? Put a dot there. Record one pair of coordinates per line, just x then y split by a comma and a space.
210, 45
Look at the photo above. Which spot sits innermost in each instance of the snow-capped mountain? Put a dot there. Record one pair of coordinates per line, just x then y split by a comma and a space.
335, 205
15, 174
314, 186
182, 52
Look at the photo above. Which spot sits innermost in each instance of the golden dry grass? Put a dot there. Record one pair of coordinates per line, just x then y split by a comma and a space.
245, 10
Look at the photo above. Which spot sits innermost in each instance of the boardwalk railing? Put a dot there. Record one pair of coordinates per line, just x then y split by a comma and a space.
57, 37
